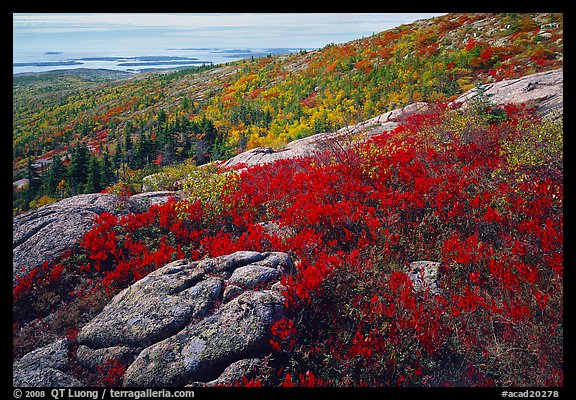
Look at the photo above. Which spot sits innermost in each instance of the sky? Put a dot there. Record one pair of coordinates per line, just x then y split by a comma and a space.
137, 32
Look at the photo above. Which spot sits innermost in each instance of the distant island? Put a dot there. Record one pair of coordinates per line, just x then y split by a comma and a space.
192, 57
147, 63
139, 58
45, 63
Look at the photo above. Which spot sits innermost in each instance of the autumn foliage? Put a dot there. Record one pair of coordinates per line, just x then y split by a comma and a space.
450, 186
271, 101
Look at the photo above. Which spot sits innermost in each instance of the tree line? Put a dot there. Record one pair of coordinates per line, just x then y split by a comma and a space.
86, 170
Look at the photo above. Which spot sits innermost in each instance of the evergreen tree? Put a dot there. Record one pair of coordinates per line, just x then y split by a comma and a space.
34, 183
168, 152
31, 175
208, 130
167, 144
78, 168
128, 136
107, 169
56, 174
128, 144
94, 180
199, 152
26, 198
161, 118
143, 151
220, 149
118, 159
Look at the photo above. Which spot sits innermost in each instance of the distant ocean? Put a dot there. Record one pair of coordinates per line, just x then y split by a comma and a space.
165, 59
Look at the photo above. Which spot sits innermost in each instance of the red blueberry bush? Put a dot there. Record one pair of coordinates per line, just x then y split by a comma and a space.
479, 194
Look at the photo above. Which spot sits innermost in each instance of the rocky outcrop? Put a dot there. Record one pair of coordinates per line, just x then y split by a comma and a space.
153, 308
51, 230
176, 325
159, 180
46, 366
424, 276
247, 368
142, 201
543, 90
327, 141
48, 232
201, 351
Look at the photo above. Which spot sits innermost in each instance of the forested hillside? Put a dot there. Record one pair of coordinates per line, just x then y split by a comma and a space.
425, 251
122, 129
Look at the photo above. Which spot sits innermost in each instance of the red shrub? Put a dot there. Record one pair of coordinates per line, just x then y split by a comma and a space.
420, 192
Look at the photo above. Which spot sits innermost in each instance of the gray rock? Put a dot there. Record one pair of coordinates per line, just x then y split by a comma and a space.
53, 355
46, 377
46, 366
237, 330
280, 261
424, 276
21, 183
251, 276
153, 308
51, 230
230, 292
146, 199
248, 368
543, 89
278, 287
173, 326
48, 232
93, 358
225, 264
178, 324
261, 272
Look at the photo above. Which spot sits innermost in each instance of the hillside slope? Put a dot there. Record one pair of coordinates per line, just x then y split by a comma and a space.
388, 258
544, 91
216, 112
376, 217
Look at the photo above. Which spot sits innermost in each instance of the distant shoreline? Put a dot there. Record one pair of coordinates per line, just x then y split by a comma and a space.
73, 71
54, 60
46, 64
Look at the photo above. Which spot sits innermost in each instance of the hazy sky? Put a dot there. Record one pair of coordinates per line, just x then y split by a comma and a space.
122, 32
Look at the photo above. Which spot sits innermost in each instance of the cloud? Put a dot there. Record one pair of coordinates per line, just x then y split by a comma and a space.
219, 29
312, 21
